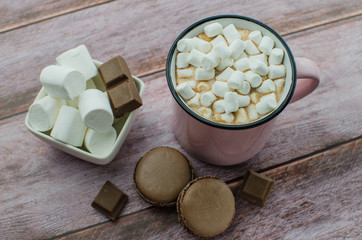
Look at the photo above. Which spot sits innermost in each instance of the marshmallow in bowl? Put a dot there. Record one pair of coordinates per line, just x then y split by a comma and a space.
276, 71
250, 48
276, 56
194, 58
79, 59
266, 45
231, 102
231, 33
184, 73
202, 45
218, 39
205, 112
261, 57
185, 91
242, 64
43, 113
245, 87
255, 36
279, 83
69, 127
242, 55
210, 60
259, 67
237, 48
219, 88
181, 60
252, 113
266, 87
203, 74
227, 117
243, 100
224, 63
100, 143
222, 50
266, 104
253, 78
236, 79
241, 116
186, 45
225, 75
213, 29
203, 86
62, 82
195, 101
219, 106
207, 98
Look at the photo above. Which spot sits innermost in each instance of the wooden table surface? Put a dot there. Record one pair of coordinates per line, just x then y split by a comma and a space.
314, 153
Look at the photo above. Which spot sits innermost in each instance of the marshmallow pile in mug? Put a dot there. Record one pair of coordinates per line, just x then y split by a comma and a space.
230, 75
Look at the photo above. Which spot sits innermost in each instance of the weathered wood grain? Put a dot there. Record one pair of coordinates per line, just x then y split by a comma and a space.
318, 197
49, 192
28, 12
141, 31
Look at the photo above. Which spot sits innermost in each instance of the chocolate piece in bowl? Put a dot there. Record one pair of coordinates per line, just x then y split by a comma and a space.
120, 86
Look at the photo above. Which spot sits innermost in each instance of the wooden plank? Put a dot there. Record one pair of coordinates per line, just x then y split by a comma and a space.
65, 186
19, 15
117, 28
314, 198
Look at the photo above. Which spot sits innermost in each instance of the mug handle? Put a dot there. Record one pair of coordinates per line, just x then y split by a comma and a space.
307, 78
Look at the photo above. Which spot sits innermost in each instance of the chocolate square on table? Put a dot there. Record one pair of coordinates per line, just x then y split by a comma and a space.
255, 188
110, 201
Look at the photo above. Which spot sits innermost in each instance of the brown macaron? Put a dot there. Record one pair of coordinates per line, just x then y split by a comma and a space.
161, 174
206, 206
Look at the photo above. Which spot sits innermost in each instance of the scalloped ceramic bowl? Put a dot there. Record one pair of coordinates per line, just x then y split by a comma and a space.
122, 126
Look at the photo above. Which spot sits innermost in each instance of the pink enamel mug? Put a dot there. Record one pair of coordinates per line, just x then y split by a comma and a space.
226, 144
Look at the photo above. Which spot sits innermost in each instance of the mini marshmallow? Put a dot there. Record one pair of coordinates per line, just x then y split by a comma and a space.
268, 96
185, 91
266, 87
43, 113
213, 29
250, 47
241, 116
237, 48
253, 78
184, 73
276, 71
222, 50
242, 64
202, 45
207, 98
255, 36
227, 117
254, 97
203, 86
186, 44
236, 79
261, 57
195, 57
231, 33
276, 56
210, 61
242, 55
252, 113
218, 39
69, 127
79, 59
266, 104
224, 63
181, 60
219, 106
205, 112
279, 83
100, 143
266, 45
191, 83
245, 88
243, 100
95, 110
203, 74
259, 67
231, 102
62, 82
225, 75
220, 88
195, 101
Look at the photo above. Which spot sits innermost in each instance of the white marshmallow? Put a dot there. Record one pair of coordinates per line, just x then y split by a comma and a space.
266, 87
231, 33
227, 117
276, 56
245, 88
218, 39
219, 106
220, 88
203, 86
72, 103
242, 64
250, 47
254, 97
255, 36
43, 113
236, 79
259, 67
252, 113
184, 73
224, 63
266, 104
79, 59
241, 116
222, 50
207, 98
213, 29
225, 75
279, 83
191, 83
261, 57
242, 55
253, 78
231, 102
181, 60
237, 48
95, 110
268, 96
266, 45
186, 44
185, 91
100, 143
210, 61
203, 74
69, 127
195, 57
243, 100
62, 82
202, 45
205, 112
195, 101
276, 71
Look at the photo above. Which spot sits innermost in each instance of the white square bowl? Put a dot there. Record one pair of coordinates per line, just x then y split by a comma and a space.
122, 126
